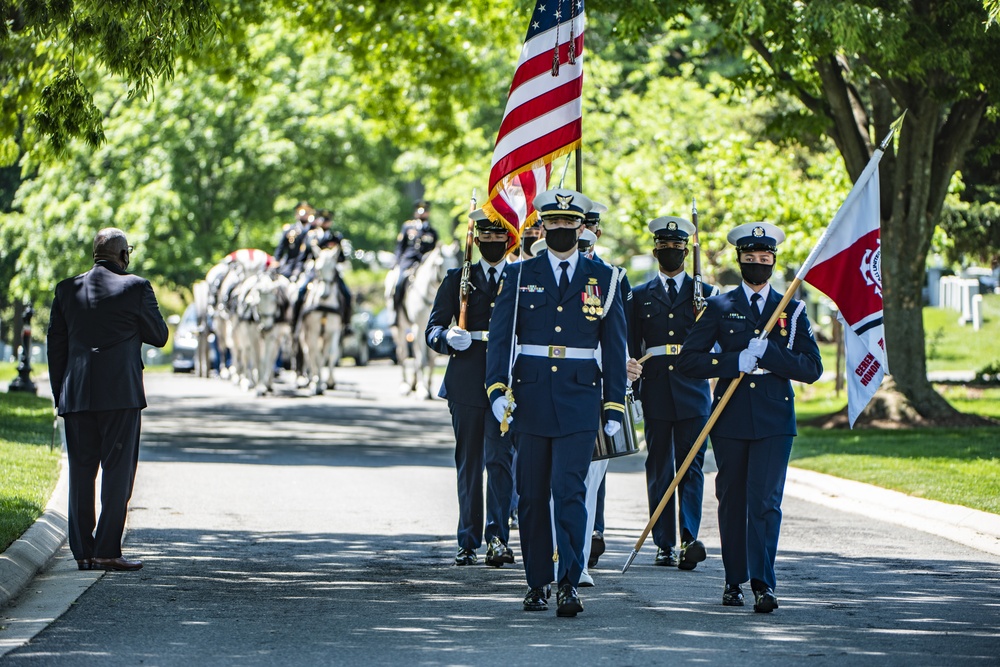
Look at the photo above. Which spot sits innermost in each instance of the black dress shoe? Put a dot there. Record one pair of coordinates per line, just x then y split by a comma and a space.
498, 553
732, 596
665, 557
84, 564
764, 601
692, 553
597, 548
466, 557
118, 564
537, 599
568, 601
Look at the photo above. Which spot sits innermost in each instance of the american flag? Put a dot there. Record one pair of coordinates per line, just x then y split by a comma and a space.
542, 119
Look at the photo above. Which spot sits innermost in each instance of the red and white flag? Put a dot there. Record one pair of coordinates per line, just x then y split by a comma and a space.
846, 266
544, 108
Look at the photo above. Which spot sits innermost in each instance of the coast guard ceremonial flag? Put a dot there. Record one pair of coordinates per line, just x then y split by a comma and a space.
846, 266
542, 119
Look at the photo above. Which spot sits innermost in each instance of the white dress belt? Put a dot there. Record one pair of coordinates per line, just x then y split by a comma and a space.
480, 335
557, 351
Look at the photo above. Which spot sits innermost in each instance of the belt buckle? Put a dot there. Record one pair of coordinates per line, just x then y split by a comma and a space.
557, 351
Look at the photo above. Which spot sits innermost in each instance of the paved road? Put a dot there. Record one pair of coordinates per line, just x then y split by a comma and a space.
319, 530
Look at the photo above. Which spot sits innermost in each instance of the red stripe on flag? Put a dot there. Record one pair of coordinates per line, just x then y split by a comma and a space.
534, 151
542, 63
538, 106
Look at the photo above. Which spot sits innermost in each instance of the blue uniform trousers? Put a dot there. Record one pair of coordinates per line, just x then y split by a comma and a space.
749, 486
477, 445
667, 445
559, 464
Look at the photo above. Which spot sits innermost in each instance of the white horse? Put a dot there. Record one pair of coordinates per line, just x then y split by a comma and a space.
321, 323
223, 279
259, 328
414, 314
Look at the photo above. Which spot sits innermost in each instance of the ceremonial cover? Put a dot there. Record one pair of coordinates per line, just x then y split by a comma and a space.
846, 266
542, 119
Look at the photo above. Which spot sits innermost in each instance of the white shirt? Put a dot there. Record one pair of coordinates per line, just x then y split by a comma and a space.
678, 280
499, 267
573, 259
764, 292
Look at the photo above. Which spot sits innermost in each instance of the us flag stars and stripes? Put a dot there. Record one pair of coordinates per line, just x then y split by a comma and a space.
542, 119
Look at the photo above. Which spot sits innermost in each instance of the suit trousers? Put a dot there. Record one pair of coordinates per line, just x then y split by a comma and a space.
107, 440
749, 486
667, 445
478, 445
557, 468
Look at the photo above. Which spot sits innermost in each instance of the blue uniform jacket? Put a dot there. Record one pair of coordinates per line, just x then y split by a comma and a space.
666, 392
558, 396
627, 303
762, 405
465, 377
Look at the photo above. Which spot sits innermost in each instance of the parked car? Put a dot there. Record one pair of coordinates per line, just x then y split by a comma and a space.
186, 343
371, 338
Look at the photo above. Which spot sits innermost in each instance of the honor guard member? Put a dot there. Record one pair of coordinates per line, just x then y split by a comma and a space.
676, 406
416, 239
477, 431
292, 241
752, 438
558, 308
529, 235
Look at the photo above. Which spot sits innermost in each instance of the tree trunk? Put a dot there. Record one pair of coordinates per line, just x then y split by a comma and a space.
906, 238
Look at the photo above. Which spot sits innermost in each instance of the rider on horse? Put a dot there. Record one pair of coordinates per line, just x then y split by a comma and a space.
416, 239
319, 237
293, 241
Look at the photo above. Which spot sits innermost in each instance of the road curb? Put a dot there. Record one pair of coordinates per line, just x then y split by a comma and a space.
33, 551
977, 529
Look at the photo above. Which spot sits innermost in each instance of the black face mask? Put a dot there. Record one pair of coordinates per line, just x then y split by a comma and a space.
492, 251
670, 259
756, 274
561, 239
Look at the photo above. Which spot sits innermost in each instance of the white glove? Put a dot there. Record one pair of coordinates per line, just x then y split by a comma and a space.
458, 338
748, 361
500, 407
612, 428
757, 347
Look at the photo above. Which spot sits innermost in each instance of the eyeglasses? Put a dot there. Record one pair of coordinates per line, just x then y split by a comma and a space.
130, 249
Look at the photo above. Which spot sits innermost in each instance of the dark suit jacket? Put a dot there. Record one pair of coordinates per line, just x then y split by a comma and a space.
100, 319
762, 405
557, 397
465, 377
667, 393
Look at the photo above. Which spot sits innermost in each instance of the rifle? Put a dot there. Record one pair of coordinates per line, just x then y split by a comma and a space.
466, 284
699, 296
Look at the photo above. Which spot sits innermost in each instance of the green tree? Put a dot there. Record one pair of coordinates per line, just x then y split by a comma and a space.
854, 67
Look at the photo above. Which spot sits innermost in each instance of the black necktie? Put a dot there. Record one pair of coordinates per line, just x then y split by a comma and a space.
671, 289
563, 278
753, 306
493, 280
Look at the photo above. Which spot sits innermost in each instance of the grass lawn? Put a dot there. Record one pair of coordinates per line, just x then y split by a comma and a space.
959, 466
951, 346
28, 467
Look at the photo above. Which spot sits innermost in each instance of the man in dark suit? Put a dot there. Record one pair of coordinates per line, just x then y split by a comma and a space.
477, 432
558, 308
99, 321
752, 438
676, 406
